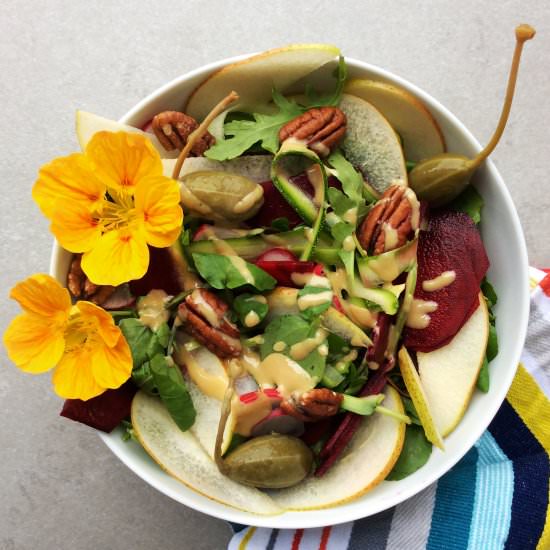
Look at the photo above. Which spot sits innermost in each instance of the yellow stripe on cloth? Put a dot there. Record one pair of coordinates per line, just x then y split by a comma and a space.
247, 538
532, 406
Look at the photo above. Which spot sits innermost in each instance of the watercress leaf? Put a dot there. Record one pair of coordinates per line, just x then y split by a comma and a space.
348, 176
483, 377
173, 391
469, 202
143, 378
246, 303
292, 329
492, 343
220, 272
415, 453
143, 342
410, 411
314, 311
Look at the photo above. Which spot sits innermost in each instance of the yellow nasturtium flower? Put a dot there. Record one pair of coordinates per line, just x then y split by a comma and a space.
80, 342
109, 203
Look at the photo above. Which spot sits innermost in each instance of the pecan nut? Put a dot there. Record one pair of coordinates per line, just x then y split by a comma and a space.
321, 128
390, 222
172, 129
82, 288
204, 316
313, 405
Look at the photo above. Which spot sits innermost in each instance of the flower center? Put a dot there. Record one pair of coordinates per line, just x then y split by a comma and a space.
80, 333
118, 213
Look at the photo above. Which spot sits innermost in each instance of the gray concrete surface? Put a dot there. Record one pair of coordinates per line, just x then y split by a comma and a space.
60, 486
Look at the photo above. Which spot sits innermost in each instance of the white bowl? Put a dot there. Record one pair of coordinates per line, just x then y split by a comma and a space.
505, 246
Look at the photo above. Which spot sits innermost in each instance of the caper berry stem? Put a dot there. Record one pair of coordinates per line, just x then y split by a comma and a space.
523, 33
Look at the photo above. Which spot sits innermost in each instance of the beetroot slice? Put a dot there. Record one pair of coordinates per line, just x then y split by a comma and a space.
282, 269
104, 412
450, 243
161, 274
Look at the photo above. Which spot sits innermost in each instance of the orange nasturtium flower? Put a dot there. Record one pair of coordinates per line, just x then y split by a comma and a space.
109, 203
80, 342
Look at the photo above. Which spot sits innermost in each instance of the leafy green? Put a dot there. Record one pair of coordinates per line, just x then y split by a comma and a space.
410, 410
331, 377
143, 378
483, 376
220, 272
280, 224
332, 98
348, 176
492, 343
340, 203
173, 391
264, 128
314, 311
128, 433
144, 343
469, 202
356, 378
489, 293
292, 329
491, 298
245, 303
415, 453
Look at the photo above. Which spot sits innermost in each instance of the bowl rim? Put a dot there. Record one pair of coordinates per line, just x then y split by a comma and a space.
315, 518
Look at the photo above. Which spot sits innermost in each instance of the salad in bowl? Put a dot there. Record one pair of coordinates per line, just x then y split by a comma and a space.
269, 280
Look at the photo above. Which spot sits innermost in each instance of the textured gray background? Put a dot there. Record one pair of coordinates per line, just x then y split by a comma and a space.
60, 486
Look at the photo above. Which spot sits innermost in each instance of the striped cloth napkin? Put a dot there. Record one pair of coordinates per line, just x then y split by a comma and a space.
496, 497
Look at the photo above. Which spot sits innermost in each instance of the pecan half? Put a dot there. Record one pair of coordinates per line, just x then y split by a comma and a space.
390, 222
82, 288
204, 316
172, 129
313, 405
322, 128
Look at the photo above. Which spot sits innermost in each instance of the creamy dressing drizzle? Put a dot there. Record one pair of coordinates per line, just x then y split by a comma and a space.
151, 309
302, 349
304, 279
251, 319
348, 244
441, 281
205, 309
362, 316
391, 237
418, 316
415, 205
279, 346
350, 216
312, 300
348, 358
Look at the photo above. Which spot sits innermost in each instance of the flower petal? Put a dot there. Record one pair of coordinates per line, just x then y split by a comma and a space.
43, 295
75, 227
33, 343
157, 202
65, 179
122, 159
103, 321
119, 256
112, 366
73, 377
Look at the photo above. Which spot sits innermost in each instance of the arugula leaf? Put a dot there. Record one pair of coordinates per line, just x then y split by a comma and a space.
332, 98
245, 303
469, 202
220, 272
144, 343
340, 231
415, 453
263, 128
292, 329
314, 311
173, 391
340, 203
348, 176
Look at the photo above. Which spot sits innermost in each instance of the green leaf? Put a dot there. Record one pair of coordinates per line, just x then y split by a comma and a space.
245, 303
492, 343
469, 202
292, 329
220, 272
263, 128
483, 377
341, 231
415, 453
332, 98
280, 224
410, 411
340, 203
173, 392
143, 342
489, 292
314, 311
143, 378
348, 176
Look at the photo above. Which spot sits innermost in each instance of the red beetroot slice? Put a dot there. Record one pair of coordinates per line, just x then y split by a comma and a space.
281, 264
104, 412
451, 243
161, 274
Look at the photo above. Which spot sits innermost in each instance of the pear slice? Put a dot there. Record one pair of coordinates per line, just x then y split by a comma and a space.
422, 137
254, 78
367, 460
87, 124
418, 396
372, 145
449, 374
180, 455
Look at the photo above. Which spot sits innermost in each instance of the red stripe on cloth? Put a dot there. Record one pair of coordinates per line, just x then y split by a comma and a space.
545, 285
297, 539
325, 535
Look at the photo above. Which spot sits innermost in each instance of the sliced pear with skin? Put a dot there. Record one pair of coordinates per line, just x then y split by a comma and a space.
422, 137
449, 374
180, 455
367, 460
372, 145
87, 124
419, 399
255, 77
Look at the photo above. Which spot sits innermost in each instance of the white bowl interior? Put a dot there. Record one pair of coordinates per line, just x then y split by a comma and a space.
505, 246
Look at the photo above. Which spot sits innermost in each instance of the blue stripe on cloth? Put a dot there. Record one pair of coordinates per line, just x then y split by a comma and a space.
493, 496
454, 502
372, 532
531, 478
